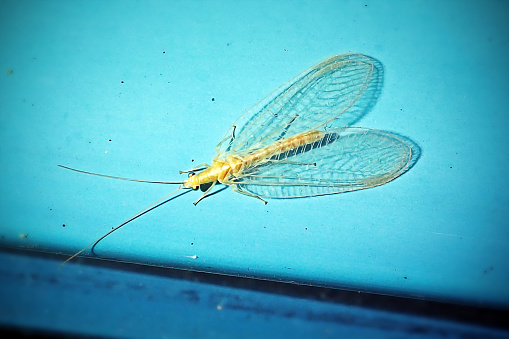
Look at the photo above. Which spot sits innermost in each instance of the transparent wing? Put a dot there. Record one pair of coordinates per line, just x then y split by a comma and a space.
338, 90
346, 159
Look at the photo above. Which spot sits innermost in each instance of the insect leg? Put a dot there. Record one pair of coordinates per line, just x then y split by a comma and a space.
204, 195
233, 133
196, 168
288, 124
232, 138
294, 163
239, 190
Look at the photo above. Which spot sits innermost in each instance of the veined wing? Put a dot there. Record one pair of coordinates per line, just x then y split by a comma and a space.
342, 88
347, 159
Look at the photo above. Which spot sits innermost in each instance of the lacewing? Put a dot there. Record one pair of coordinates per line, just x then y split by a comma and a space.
297, 142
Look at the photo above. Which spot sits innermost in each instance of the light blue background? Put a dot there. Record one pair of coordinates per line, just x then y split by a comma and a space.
78, 74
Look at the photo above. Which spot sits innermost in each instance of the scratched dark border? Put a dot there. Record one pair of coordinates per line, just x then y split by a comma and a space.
465, 314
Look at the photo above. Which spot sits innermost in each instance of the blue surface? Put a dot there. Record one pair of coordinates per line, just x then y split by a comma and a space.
104, 302
145, 90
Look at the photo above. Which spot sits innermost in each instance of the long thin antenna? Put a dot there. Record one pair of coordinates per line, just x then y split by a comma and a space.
139, 214
128, 179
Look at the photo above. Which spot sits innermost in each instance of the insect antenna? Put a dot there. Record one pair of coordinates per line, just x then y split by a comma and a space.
137, 215
120, 178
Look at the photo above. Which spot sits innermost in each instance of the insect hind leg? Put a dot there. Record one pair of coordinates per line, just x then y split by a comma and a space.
237, 189
293, 162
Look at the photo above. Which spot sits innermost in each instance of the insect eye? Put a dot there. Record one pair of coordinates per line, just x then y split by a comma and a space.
196, 187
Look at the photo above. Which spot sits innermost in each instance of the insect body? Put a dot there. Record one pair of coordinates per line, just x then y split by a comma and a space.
297, 142
233, 167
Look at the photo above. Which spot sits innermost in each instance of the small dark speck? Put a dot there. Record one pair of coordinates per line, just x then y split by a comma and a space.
63, 225
489, 269
450, 167
213, 99
192, 243
228, 44
164, 52
122, 82
365, 5
51, 209
404, 277
192, 160
9, 71
306, 228
109, 140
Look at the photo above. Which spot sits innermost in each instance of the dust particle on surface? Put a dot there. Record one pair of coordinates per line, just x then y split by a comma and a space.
9, 72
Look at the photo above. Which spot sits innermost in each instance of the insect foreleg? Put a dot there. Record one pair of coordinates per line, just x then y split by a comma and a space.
196, 168
204, 195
